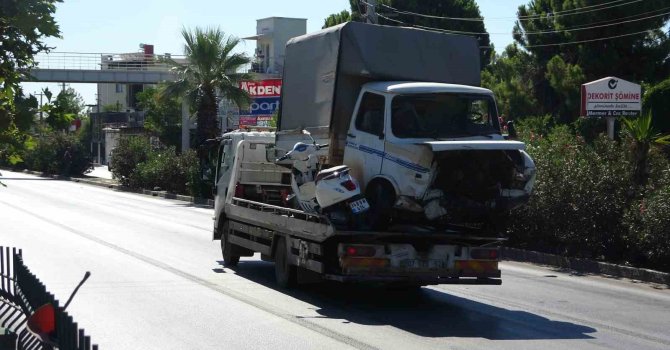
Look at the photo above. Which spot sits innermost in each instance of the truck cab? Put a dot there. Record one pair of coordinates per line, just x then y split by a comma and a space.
436, 150
247, 170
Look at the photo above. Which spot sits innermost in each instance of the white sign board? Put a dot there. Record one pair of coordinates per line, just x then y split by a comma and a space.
611, 97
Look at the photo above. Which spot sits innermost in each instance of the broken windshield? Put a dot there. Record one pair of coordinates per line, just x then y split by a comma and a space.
443, 115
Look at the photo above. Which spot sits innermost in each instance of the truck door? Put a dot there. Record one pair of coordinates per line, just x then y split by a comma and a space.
224, 167
365, 140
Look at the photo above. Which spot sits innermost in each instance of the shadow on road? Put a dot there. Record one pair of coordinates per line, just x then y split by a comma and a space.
426, 312
26, 178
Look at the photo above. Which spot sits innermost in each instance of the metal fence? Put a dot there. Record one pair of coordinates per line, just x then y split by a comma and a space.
21, 293
105, 61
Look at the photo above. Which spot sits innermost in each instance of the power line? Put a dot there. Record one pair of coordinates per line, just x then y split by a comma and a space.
591, 27
529, 33
527, 46
590, 40
575, 11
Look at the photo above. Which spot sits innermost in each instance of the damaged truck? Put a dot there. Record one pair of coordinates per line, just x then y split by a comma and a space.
401, 107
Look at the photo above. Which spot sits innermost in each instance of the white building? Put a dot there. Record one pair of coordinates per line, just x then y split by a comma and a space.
123, 97
272, 34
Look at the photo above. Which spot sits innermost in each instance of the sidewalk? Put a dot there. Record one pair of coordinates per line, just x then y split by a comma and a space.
101, 175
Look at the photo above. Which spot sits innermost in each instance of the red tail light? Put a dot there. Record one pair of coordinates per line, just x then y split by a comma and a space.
239, 191
349, 185
484, 254
357, 250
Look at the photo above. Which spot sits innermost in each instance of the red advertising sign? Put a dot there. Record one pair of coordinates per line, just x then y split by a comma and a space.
262, 88
264, 101
245, 120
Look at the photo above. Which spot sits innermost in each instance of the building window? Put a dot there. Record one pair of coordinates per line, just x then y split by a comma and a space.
119, 88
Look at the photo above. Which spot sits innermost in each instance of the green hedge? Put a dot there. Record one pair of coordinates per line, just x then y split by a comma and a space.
167, 171
584, 204
58, 153
137, 165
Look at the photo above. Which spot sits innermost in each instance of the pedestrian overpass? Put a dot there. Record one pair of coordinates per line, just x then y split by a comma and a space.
108, 68
94, 68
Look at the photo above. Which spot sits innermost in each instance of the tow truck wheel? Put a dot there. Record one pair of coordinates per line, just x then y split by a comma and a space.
229, 260
285, 273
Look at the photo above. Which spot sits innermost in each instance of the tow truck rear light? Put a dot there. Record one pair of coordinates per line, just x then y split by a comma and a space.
349, 185
239, 190
484, 254
360, 250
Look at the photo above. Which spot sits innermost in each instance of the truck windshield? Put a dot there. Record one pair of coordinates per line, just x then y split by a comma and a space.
443, 115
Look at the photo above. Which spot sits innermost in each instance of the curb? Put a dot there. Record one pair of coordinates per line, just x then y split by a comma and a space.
585, 265
117, 187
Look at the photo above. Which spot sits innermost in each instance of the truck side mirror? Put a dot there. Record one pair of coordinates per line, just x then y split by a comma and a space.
511, 130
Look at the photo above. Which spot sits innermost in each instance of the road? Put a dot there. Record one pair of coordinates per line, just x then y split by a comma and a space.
157, 283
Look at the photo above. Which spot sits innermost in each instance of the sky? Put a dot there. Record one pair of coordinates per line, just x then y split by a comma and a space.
104, 26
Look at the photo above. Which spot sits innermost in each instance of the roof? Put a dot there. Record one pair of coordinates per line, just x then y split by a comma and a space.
408, 87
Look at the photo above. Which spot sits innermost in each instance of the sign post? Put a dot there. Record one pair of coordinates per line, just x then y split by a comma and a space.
611, 98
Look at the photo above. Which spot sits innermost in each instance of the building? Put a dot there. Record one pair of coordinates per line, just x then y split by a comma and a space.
123, 97
267, 66
272, 34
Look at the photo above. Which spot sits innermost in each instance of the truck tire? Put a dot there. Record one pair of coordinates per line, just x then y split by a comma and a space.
229, 260
381, 197
285, 273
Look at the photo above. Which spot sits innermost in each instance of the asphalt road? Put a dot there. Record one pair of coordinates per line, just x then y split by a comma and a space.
157, 283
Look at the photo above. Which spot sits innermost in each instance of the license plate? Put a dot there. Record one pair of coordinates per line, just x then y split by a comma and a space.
359, 206
424, 264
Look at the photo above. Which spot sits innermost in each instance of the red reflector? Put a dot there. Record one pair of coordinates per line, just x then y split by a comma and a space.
239, 191
484, 254
43, 321
360, 251
349, 185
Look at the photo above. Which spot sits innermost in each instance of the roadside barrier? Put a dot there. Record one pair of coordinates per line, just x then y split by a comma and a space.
23, 295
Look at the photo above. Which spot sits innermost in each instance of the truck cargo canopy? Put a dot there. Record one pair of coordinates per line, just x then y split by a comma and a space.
324, 71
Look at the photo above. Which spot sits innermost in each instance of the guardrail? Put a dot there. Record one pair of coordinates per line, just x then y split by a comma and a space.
105, 61
21, 294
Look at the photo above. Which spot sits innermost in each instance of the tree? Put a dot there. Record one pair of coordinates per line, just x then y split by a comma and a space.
211, 67
563, 79
572, 30
66, 108
25, 108
423, 14
162, 118
24, 24
337, 18
644, 135
509, 76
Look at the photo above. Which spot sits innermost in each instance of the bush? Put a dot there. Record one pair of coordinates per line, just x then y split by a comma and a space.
648, 221
657, 100
580, 196
168, 171
130, 152
59, 153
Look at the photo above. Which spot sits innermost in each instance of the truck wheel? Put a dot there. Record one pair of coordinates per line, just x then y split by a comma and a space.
381, 198
229, 260
285, 273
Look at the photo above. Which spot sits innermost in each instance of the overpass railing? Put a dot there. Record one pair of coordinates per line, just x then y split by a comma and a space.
105, 61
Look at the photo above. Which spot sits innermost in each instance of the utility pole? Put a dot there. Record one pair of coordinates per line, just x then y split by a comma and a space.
41, 112
371, 12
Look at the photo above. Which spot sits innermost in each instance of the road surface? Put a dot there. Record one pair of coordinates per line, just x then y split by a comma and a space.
157, 283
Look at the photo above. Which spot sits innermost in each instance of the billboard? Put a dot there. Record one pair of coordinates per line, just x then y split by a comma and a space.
611, 97
264, 101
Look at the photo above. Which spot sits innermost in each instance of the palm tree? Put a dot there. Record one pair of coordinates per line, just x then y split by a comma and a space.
643, 134
211, 67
